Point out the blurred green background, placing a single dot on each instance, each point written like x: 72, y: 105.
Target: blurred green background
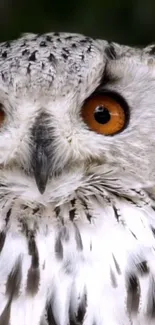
x: 129, y: 22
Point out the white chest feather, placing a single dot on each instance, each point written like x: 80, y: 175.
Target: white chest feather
x: 80, y: 263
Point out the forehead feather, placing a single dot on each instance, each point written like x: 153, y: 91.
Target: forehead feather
x: 52, y: 62
x: 56, y: 64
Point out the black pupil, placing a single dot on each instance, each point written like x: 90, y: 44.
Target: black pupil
x: 101, y: 114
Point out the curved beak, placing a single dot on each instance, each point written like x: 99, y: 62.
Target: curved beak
x: 41, y: 167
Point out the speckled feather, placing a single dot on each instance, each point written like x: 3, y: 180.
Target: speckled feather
x: 82, y: 252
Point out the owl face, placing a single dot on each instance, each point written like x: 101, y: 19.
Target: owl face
x: 73, y: 108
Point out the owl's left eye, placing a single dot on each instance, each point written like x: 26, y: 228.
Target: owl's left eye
x: 105, y: 113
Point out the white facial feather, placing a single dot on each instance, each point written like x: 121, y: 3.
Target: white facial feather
x: 77, y: 208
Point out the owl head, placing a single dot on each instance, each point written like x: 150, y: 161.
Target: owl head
x: 75, y: 113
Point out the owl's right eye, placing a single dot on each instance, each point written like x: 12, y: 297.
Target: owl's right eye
x: 2, y: 115
x: 105, y: 113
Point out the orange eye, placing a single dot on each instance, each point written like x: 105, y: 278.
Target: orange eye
x: 105, y: 114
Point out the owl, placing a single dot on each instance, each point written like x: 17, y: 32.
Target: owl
x: 77, y: 182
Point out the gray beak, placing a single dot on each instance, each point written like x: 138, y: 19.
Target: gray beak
x: 41, y: 167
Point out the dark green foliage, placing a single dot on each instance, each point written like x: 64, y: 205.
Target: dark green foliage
x: 128, y: 22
